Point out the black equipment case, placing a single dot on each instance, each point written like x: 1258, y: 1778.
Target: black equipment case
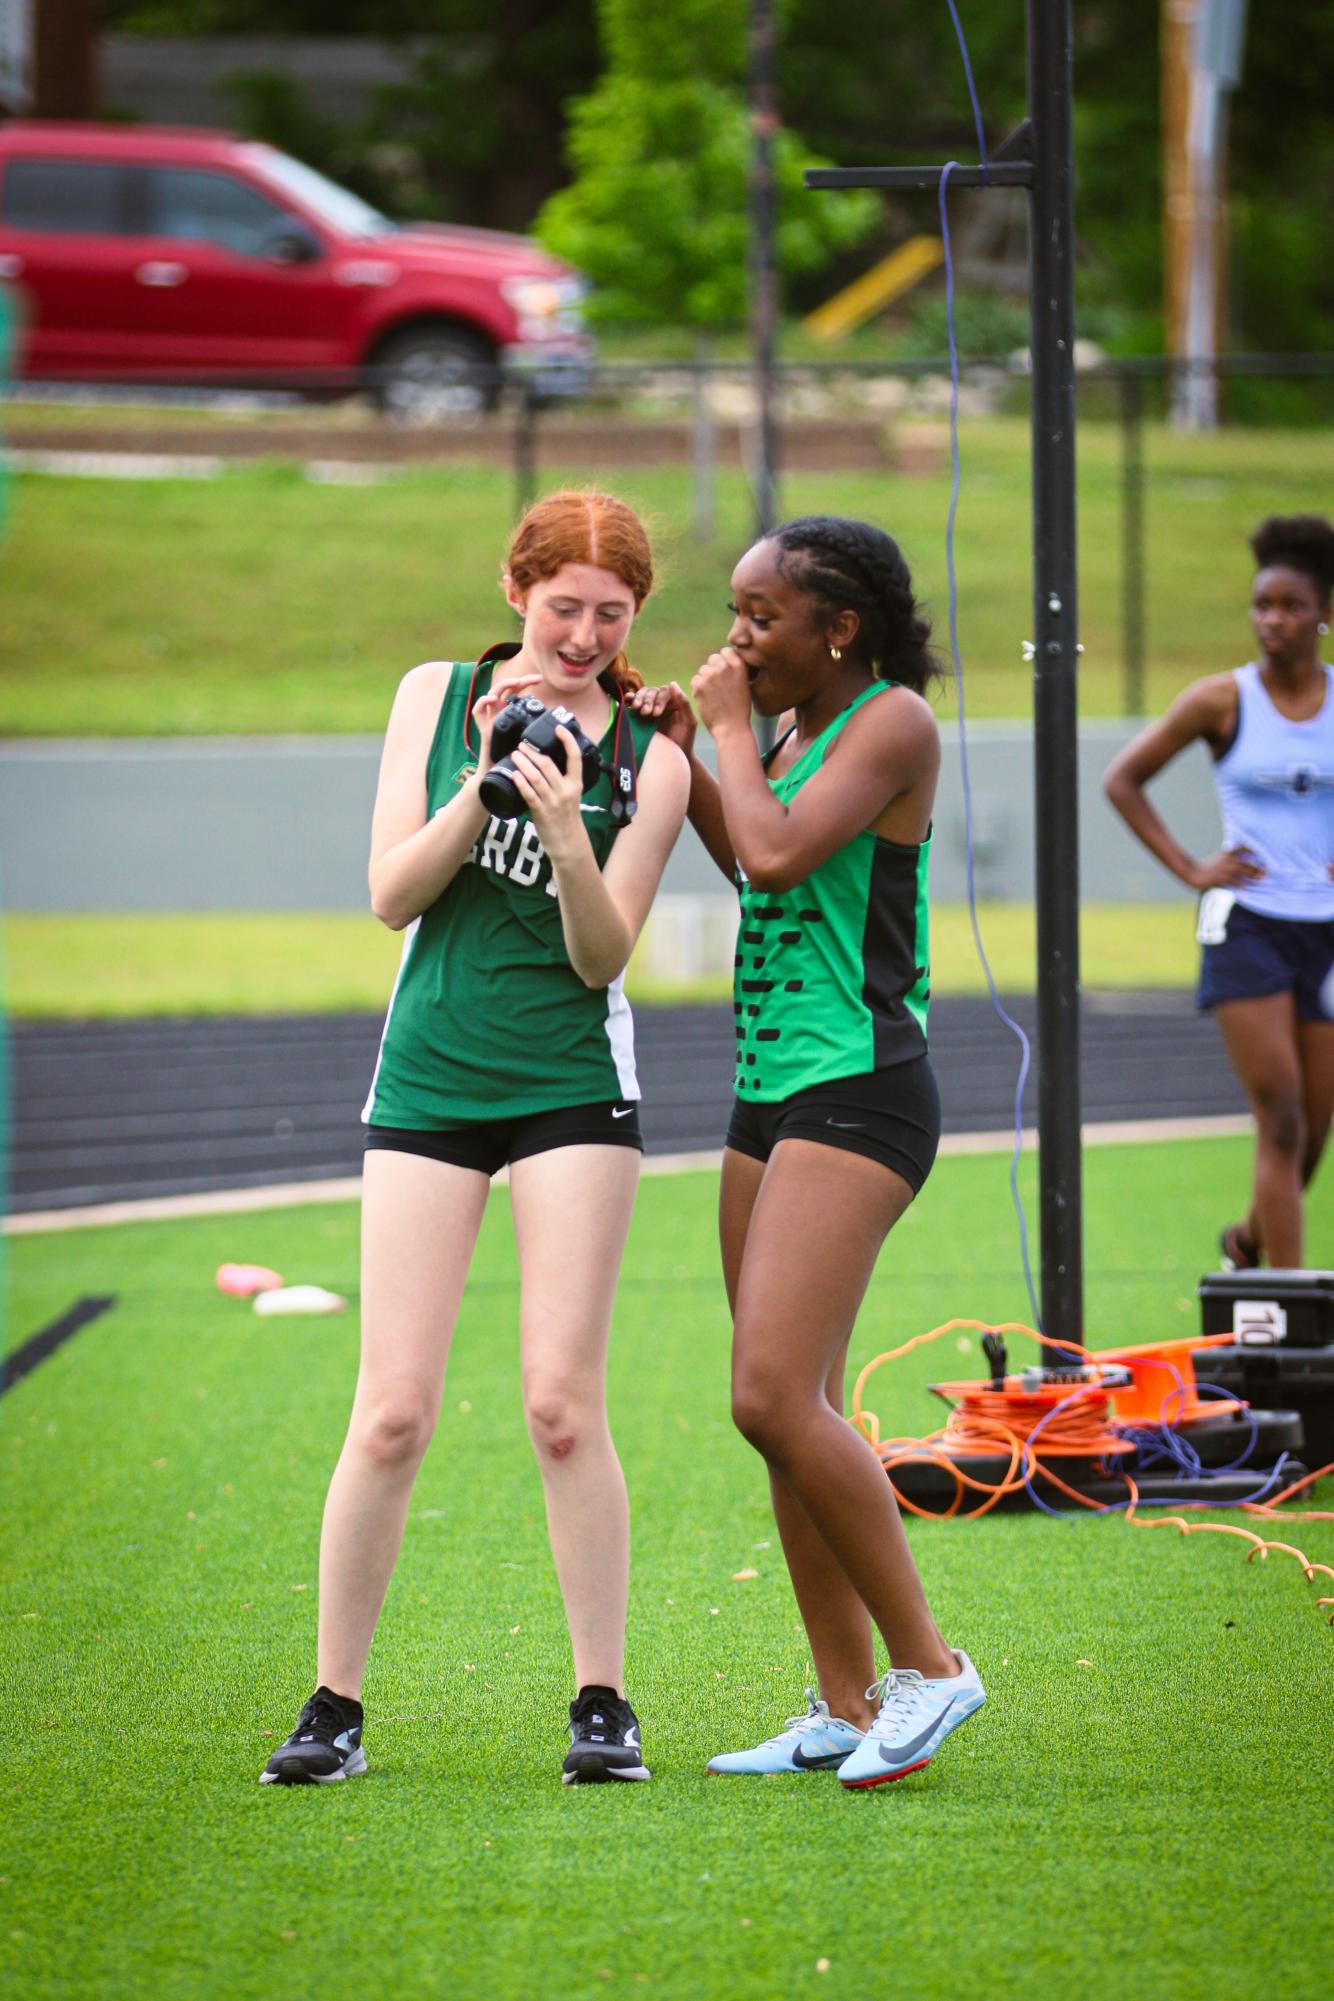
x: 1300, y: 1378
x: 1282, y: 1324
x: 1267, y: 1308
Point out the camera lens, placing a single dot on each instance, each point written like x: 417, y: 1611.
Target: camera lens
x: 498, y: 792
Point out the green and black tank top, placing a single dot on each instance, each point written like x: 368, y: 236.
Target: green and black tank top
x: 488, y: 1019
x: 832, y: 977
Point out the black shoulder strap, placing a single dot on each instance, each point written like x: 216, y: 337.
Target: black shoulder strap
x: 774, y: 749
x: 624, y: 769
x: 504, y: 649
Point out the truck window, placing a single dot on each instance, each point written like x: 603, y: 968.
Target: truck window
x: 75, y: 197
x: 212, y: 208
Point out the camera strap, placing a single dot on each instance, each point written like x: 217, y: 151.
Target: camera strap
x: 624, y: 770
x: 504, y: 650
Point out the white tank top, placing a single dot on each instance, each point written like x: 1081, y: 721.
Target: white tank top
x: 1276, y: 793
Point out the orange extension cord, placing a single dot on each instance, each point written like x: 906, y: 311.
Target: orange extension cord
x: 990, y: 1421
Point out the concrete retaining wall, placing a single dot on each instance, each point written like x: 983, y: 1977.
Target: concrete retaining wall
x: 282, y: 824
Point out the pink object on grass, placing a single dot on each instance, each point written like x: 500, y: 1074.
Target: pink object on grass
x: 242, y: 1281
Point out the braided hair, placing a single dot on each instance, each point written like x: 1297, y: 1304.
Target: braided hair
x: 1302, y: 542
x: 851, y: 566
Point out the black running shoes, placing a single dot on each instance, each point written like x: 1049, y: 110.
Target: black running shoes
x: 326, y: 1744
x: 604, y: 1740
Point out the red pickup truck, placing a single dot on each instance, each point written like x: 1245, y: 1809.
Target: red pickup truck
x: 140, y: 254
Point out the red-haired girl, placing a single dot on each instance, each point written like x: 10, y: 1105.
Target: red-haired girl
x: 508, y: 1042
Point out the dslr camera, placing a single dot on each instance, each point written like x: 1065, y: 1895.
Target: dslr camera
x: 525, y: 720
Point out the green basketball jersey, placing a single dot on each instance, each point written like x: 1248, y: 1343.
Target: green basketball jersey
x: 488, y: 1019
x: 832, y: 976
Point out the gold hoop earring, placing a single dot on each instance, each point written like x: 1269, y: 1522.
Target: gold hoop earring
x: 835, y: 653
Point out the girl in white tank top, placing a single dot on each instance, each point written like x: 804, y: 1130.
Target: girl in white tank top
x: 1267, y: 897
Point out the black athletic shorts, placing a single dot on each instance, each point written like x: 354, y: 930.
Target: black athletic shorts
x: 892, y: 1116
x: 1253, y: 956
x: 496, y: 1143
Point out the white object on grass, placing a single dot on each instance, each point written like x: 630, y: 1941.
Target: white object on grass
x: 298, y: 1299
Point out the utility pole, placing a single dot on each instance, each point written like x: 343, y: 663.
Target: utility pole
x: 763, y: 93
x: 1176, y: 39
x: 65, y: 66
x: 1201, y: 54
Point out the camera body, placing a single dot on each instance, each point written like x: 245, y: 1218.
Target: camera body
x: 510, y: 724
x: 525, y: 720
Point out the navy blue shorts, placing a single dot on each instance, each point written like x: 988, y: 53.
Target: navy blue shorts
x: 892, y: 1116
x: 491, y: 1144
x: 1259, y: 956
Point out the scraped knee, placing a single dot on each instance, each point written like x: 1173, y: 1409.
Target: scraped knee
x: 557, y: 1418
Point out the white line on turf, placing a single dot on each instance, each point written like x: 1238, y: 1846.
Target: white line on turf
x: 298, y: 1194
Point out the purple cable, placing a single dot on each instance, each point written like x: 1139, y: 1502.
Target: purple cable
x: 1010, y: 1023
x: 972, y: 91
x: 1264, y: 1485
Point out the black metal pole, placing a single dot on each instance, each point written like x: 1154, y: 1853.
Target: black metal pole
x: 1038, y: 155
x: 763, y: 256
x: 1055, y: 633
x: 1132, y: 543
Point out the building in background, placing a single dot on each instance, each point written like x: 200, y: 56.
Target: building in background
x: 15, y: 56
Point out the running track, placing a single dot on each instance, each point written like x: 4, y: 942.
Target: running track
x: 114, y: 1111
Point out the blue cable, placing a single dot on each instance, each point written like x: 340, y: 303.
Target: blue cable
x: 957, y: 658
x: 1163, y: 1441
x: 972, y: 91
x: 1113, y: 1507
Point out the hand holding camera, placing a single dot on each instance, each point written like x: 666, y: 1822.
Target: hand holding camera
x: 525, y: 725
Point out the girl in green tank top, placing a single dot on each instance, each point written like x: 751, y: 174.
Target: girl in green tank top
x: 837, y: 1116
x: 507, y: 1042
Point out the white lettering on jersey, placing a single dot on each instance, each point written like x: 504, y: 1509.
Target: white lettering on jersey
x: 529, y: 859
x: 496, y: 846
x: 493, y: 851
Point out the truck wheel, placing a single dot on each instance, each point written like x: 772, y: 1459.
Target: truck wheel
x: 429, y: 373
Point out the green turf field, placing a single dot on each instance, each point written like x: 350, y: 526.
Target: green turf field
x: 1142, y: 1810
x: 261, y: 602
x: 233, y: 962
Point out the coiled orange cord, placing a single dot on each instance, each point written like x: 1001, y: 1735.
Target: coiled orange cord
x: 992, y: 1422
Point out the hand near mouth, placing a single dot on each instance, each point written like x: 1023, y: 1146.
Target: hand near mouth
x: 721, y: 691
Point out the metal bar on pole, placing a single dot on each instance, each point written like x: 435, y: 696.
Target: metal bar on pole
x: 999, y: 174
x: 1055, y: 663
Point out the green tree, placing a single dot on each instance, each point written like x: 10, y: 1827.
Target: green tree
x: 660, y: 152
x: 881, y: 81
